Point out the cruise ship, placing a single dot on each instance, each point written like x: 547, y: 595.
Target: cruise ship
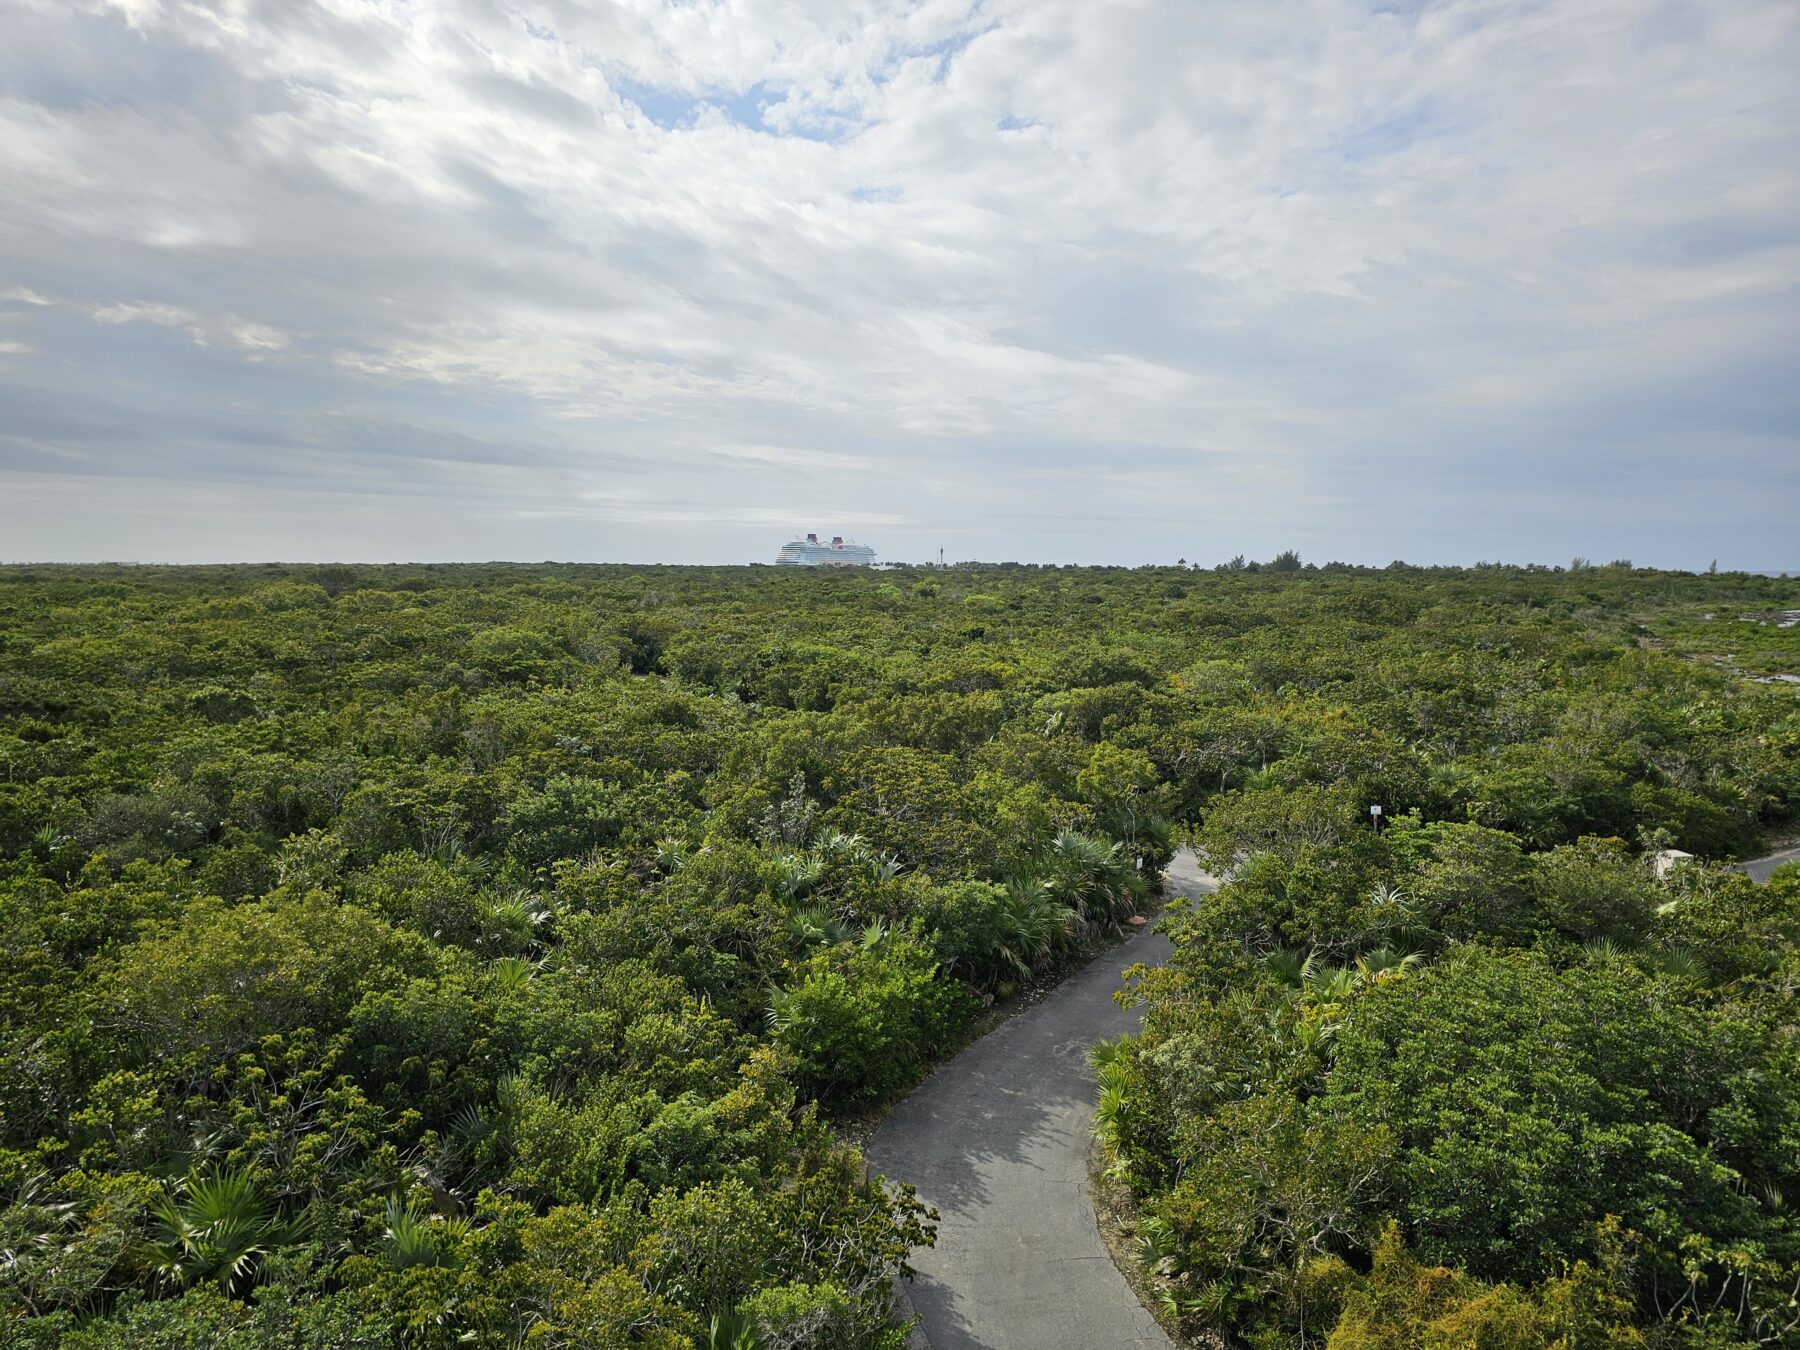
x: 809, y: 552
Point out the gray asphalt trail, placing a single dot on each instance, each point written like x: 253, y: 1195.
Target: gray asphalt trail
x: 997, y: 1140
x: 1761, y: 868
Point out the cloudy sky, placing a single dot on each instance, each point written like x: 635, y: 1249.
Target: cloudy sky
x: 1053, y: 280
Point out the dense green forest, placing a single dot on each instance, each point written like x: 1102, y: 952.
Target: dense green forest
x: 490, y: 955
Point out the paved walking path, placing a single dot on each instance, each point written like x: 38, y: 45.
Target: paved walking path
x: 1760, y: 868
x: 997, y: 1140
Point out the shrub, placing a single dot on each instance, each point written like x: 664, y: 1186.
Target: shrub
x: 569, y: 818
x: 862, y: 1024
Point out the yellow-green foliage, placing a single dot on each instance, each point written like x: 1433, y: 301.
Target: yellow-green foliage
x: 1407, y: 1305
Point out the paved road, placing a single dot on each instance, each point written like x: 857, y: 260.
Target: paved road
x: 1760, y: 868
x: 997, y: 1140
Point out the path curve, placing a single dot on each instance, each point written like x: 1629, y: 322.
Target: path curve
x: 1760, y: 869
x: 997, y: 1140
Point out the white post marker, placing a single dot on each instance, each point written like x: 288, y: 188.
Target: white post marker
x: 1375, y: 816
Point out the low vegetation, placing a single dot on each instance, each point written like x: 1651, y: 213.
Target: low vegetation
x: 450, y: 956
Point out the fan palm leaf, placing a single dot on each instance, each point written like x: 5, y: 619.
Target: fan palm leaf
x: 214, y: 1227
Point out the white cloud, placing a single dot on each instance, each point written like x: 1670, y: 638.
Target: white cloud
x: 1197, y: 253
x: 204, y: 330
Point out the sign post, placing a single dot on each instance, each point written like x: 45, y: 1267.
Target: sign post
x: 1375, y: 818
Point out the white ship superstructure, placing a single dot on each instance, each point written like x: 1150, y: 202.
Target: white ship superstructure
x: 809, y: 552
